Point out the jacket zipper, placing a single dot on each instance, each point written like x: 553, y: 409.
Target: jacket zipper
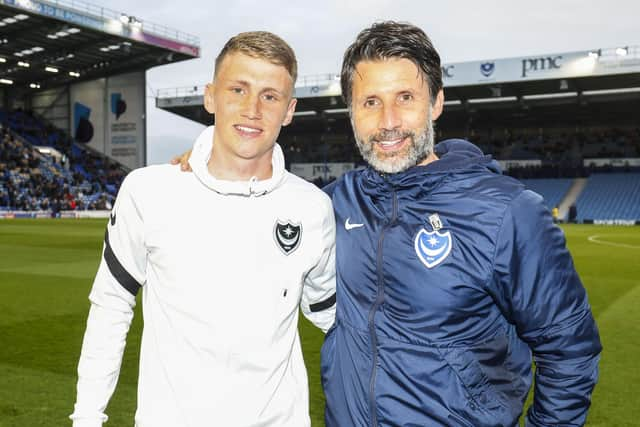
x: 374, y: 309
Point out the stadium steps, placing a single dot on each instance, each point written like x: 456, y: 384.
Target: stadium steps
x: 570, y: 198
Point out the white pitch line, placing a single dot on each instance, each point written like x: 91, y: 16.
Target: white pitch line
x: 595, y: 237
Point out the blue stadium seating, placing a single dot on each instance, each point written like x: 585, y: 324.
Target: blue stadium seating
x: 552, y: 190
x: 614, y: 196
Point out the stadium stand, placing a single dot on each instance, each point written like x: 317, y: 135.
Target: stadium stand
x: 552, y: 190
x: 32, y: 180
x: 614, y: 196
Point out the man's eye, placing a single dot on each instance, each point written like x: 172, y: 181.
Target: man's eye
x: 370, y: 103
x: 270, y: 97
x: 406, y: 97
x: 237, y: 90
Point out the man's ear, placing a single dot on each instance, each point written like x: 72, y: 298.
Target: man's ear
x: 436, y: 108
x: 209, y: 98
x: 290, y: 110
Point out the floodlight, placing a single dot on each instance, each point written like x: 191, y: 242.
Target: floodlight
x: 73, y: 30
x: 6, y: 81
x: 37, y: 49
x: 51, y: 69
x: 62, y: 34
x: 135, y: 22
x: 52, y: 36
x: 23, y: 64
x: 622, y: 51
x: 34, y: 85
x: 9, y: 20
x: 3, y: 60
x: 74, y: 74
x: 114, y: 47
x: 21, y: 17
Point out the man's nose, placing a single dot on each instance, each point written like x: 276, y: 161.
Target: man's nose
x: 251, y: 107
x: 391, y: 118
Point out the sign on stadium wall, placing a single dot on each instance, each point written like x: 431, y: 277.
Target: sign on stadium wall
x: 508, y: 164
x: 125, y: 119
x: 49, y: 214
x: 537, y: 67
x: 87, y: 115
x: 312, y: 171
x: 107, y: 114
x: 633, y: 162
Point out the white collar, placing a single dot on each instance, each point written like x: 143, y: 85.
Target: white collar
x: 253, y: 187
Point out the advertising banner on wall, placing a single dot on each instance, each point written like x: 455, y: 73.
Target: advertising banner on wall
x: 108, y: 115
x: 125, y: 119
x: 87, y: 113
x: 311, y: 171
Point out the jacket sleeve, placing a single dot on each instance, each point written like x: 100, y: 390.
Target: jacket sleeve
x: 540, y: 292
x: 119, y: 277
x: 319, y: 292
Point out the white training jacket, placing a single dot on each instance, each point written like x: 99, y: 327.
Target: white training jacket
x: 223, y: 268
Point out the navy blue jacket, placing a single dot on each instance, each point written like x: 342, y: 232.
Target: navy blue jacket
x: 440, y: 316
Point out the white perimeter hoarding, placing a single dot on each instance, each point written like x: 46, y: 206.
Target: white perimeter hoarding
x: 311, y: 171
x: 108, y: 115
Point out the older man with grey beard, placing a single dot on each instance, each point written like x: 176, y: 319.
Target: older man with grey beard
x: 451, y: 278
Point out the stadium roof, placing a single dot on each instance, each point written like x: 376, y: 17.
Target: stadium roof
x: 52, y: 43
x: 572, y: 78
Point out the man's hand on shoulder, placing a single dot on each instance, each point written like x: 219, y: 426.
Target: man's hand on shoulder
x: 183, y: 160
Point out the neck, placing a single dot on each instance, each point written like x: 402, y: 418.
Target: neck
x: 228, y: 166
x: 239, y: 169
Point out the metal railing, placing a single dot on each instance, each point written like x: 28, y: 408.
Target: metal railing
x: 180, y: 92
x: 318, y: 80
x: 305, y: 81
x: 106, y: 13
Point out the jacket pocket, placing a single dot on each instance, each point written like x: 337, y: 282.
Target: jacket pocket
x: 483, y: 382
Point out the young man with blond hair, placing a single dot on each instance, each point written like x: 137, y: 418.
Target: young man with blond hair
x: 224, y: 257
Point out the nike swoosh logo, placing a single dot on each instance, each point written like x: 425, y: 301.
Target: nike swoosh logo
x: 348, y: 225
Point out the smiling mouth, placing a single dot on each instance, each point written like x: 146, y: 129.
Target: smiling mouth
x: 391, y: 144
x: 247, y: 131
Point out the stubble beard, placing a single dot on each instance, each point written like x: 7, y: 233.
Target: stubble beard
x: 414, y: 153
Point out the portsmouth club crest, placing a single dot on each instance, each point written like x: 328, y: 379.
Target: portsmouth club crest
x: 287, y: 236
x: 433, y: 247
x: 487, y: 68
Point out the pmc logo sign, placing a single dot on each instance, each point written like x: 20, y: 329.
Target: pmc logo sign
x: 530, y: 65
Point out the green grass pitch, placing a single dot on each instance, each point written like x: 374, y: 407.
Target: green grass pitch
x: 46, y: 271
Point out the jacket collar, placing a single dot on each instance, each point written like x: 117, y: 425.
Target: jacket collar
x: 253, y: 187
x: 454, y: 156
